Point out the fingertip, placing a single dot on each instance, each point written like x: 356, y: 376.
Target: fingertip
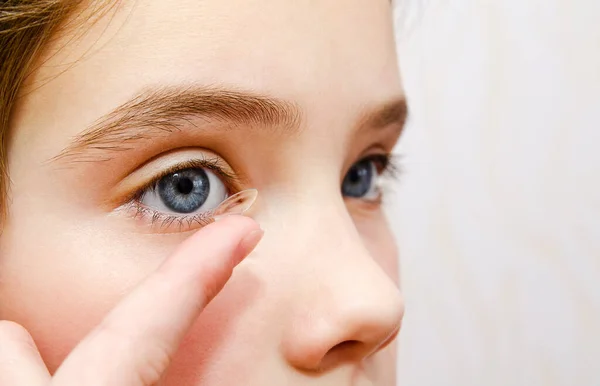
x: 228, y: 232
x: 15, y: 332
x: 20, y: 360
x: 237, y: 220
x: 248, y: 243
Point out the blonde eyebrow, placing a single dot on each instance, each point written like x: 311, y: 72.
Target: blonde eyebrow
x: 161, y: 111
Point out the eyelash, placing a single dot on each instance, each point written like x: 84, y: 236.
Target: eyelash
x: 389, y: 169
x: 386, y: 164
x: 166, y: 220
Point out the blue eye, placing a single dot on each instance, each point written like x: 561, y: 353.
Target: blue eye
x: 185, y: 191
x: 361, y: 181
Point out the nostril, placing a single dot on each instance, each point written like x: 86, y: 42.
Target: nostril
x: 347, y: 351
x: 346, y: 345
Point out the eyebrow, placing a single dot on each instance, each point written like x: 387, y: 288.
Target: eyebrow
x: 158, y: 112
x: 161, y: 111
x: 393, y: 112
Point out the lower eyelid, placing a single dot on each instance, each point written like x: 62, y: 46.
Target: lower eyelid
x: 154, y: 221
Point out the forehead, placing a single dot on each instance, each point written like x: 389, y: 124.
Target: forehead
x: 334, y: 54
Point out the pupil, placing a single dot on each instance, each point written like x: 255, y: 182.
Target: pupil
x: 355, y: 175
x: 185, y: 186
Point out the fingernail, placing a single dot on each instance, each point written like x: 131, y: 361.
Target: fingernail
x: 237, y: 204
x: 249, y: 242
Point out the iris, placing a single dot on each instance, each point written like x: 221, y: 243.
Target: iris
x: 360, y: 179
x: 184, y: 191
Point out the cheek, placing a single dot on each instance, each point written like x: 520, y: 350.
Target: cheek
x: 379, y: 240
x: 60, y: 286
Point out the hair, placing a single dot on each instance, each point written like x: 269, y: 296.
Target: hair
x: 26, y: 26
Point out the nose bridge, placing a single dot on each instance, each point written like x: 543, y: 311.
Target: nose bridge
x: 345, y: 305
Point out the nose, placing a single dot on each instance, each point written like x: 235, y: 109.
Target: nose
x: 349, y: 307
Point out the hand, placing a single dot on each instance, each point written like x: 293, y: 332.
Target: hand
x: 135, y: 342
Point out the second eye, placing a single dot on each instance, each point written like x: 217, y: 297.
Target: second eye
x: 185, y: 191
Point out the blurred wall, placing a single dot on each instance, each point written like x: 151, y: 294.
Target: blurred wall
x: 497, y: 210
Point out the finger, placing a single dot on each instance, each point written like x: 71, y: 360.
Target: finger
x: 20, y: 360
x: 136, y: 341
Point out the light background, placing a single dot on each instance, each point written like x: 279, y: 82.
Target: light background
x: 498, y: 209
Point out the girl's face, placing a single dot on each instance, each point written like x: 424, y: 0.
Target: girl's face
x: 142, y: 115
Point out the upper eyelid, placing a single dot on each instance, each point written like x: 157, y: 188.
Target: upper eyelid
x: 150, y: 172
x: 230, y: 179
x: 385, y: 158
x: 200, y: 164
x: 205, y: 158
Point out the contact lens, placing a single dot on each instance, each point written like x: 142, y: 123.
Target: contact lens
x: 238, y: 204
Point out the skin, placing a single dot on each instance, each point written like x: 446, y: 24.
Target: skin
x: 317, y: 302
